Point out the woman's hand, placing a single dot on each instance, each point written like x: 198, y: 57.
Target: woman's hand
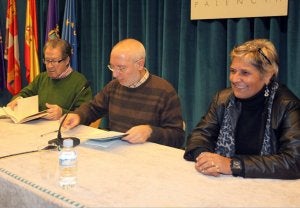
x: 213, y: 164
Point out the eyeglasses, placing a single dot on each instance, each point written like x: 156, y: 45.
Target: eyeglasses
x: 53, y: 62
x: 265, y: 57
x: 120, y: 68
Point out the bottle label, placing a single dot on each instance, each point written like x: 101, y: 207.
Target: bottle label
x: 67, y: 158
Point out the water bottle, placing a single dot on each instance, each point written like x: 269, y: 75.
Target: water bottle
x: 67, y: 165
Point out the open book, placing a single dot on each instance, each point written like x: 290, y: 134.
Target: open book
x: 27, y: 109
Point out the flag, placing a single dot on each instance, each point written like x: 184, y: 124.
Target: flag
x: 52, y: 27
x: 31, y: 42
x: 11, y: 53
x: 2, y: 68
x: 69, y: 30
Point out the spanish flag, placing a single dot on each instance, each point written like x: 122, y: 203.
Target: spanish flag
x: 31, y: 42
x: 12, y: 49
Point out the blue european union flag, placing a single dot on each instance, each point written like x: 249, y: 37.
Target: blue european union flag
x: 69, y: 30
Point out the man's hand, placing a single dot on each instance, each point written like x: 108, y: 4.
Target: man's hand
x: 54, y: 112
x: 13, y: 103
x: 71, y: 121
x: 138, y: 134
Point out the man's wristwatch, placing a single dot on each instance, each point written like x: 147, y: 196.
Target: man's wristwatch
x: 236, y: 167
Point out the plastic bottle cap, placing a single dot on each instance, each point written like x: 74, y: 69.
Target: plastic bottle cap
x: 68, y: 143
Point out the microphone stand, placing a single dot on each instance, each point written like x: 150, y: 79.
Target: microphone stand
x: 58, y: 141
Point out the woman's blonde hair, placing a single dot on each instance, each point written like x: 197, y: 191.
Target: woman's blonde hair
x: 261, y: 53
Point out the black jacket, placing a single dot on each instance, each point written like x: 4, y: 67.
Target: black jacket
x: 285, y: 136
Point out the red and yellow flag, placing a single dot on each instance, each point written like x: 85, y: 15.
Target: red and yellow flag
x: 31, y: 42
x: 12, y: 49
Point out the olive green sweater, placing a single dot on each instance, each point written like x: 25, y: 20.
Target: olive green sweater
x: 57, y: 91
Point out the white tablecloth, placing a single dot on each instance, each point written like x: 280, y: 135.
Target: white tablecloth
x: 122, y: 175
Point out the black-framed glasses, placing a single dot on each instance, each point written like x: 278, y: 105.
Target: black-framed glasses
x: 263, y: 54
x: 53, y: 62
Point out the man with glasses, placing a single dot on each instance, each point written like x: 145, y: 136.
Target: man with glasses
x: 58, y: 85
x: 141, y: 104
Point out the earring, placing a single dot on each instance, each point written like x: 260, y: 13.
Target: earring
x: 267, y: 92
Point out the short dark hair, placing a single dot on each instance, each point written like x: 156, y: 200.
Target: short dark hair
x: 64, y: 45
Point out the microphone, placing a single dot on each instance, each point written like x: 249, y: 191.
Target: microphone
x: 59, y: 140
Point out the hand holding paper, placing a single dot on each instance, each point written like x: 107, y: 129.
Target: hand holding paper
x: 24, y: 110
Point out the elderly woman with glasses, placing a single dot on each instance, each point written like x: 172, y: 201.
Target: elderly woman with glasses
x: 251, y: 129
x: 58, y: 85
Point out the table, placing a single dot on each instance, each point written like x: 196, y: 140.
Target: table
x: 122, y: 175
